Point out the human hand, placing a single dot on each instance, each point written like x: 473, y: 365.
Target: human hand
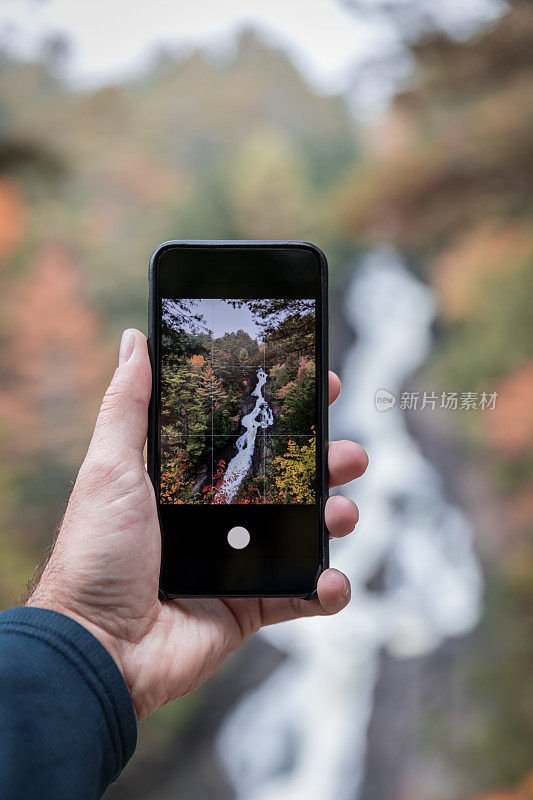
x: 104, y: 568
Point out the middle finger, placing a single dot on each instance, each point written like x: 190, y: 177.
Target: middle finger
x: 341, y: 515
x: 346, y: 461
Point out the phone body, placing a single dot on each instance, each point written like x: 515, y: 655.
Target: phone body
x: 238, y: 420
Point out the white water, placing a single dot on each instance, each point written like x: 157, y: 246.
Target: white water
x: 260, y: 417
x: 302, y: 734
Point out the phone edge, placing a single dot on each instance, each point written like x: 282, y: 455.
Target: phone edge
x: 324, y: 383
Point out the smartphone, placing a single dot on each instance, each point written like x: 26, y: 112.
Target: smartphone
x: 238, y: 421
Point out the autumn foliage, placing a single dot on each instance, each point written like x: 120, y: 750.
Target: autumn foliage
x: 53, y: 365
x: 12, y: 218
x: 292, y: 477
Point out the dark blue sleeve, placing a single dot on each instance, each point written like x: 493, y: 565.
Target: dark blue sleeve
x: 67, y: 724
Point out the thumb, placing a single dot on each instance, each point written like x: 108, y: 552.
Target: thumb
x: 123, y: 418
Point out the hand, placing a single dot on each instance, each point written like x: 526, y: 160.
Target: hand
x: 104, y: 568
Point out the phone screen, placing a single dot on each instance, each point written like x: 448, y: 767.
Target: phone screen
x: 238, y: 410
x: 238, y: 426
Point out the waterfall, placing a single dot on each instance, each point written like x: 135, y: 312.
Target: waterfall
x: 302, y: 734
x: 260, y: 417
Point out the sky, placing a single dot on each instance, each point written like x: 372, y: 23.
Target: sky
x: 223, y: 318
x: 220, y: 318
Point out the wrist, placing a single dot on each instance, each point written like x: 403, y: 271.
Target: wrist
x: 47, y: 600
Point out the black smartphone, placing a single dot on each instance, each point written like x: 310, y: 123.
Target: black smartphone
x: 238, y: 421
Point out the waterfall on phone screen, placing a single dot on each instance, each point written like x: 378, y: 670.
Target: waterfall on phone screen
x: 260, y: 417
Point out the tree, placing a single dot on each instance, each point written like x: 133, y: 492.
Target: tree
x: 298, y: 401
x: 234, y: 348
x: 186, y: 401
x: 183, y: 332
x: 288, y: 326
x: 243, y: 358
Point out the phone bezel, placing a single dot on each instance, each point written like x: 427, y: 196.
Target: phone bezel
x: 153, y: 454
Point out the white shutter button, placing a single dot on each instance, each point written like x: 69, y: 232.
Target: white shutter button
x: 238, y: 537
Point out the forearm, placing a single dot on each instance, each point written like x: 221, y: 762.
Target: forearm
x: 67, y: 720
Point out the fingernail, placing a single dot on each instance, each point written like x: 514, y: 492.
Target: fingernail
x: 346, y: 589
x: 127, y: 343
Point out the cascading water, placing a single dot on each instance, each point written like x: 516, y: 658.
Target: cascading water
x: 260, y: 417
x: 302, y: 734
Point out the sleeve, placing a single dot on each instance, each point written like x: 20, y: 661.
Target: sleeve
x: 67, y: 724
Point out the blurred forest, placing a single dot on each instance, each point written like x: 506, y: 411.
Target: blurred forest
x: 446, y: 177
x: 90, y: 181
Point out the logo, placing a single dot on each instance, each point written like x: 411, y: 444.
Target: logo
x: 384, y: 400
